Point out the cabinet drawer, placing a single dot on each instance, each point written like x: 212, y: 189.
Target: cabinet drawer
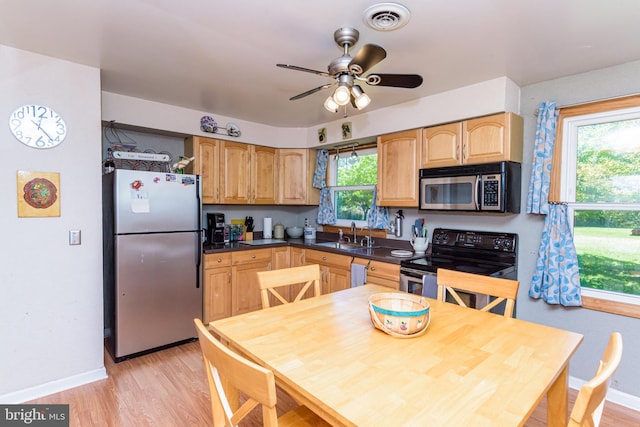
x: 217, y: 260
x: 385, y: 270
x: 327, y: 258
x: 258, y: 255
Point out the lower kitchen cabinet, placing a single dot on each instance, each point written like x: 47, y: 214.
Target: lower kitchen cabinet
x: 244, y: 266
x: 335, y: 269
x: 381, y: 273
x: 217, y: 287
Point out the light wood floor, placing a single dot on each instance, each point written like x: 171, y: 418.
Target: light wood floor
x: 168, y: 388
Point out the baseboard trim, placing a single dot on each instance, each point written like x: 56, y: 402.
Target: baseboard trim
x: 614, y: 396
x: 46, y: 389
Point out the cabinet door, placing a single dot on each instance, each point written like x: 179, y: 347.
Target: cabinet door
x: 246, y: 292
x: 264, y: 175
x: 205, y: 164
x: 297, y: 257
x: 217, y: 294
x: 441, y: 145
x: 235, y: 173
x: 492, y: 139
x: 338, y: 279
x: 281, y: 257
x: 217, y: 287
x: 398, y: 166
x: 292, y: 176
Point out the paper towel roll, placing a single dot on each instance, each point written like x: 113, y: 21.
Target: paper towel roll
x: 267, y: 228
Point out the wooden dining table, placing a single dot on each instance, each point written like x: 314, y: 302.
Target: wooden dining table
x: 470, y: 368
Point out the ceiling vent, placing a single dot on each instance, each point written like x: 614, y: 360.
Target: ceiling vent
x: 386, y: 16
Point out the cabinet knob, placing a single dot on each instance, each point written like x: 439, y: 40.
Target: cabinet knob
x: 324, y: 258
x: 219, y: 260
x: 253, y: 256
x: 373, y: 269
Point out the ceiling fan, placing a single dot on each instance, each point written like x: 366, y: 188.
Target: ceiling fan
x: 347, y: 71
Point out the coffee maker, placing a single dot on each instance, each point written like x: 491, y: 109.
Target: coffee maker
x: 215, y: 228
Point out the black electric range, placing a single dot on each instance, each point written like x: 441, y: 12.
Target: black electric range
x: 479, y: 252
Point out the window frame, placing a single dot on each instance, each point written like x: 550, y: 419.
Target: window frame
x: 332, y: 178
x: 564, y: 163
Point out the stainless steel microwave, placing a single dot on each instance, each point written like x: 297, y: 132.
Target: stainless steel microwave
x: 489, y: 187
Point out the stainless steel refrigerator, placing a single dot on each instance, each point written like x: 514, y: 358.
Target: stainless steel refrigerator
x: 152, y: 243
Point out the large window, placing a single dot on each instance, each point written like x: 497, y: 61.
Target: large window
x: 352, y: 179
x: 601, y: 183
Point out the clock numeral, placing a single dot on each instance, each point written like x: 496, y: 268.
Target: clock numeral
x: 40, y: 143
x: 20, y: 114
x: 15, y: 123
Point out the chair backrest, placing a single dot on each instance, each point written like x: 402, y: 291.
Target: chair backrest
x: 502, y: 289
x: 256, y: 382
x: 590, y: 401
x: 296, y: 279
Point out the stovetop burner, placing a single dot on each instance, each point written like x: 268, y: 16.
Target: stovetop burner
x: 479, y: 252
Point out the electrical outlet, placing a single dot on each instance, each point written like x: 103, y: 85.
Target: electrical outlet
x: 74, y: 237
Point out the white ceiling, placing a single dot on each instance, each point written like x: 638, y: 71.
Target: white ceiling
x: 219, y: 56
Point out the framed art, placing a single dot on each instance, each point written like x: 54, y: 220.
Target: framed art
x: 38, y: 194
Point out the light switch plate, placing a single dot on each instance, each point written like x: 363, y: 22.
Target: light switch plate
x: 74, y: 237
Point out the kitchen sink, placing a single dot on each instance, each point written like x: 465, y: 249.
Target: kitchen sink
x: 351, y: 247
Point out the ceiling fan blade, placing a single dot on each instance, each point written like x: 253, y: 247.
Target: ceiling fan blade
x: 309, y: 92
x: 409, y: 81
x: 306, y: 70
x: 368, y: 56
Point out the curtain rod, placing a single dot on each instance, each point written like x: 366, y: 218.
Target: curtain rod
x: 578, y: 104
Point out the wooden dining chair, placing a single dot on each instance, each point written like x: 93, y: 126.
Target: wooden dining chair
x: 450, y: 281
x: 298, y: 279
x: 256, y: 382
x: 587, y: 409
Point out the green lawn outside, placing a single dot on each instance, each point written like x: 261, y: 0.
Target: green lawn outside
x: 609, y: 259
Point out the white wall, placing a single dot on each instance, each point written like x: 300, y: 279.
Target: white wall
x: 50, y: 292
x: 470, y: 101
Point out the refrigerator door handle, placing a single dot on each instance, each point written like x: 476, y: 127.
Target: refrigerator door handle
x: 198, y: 258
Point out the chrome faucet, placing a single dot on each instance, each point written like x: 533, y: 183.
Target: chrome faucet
x: 353, y: 230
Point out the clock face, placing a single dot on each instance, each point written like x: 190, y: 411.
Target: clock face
x: 37, y: 126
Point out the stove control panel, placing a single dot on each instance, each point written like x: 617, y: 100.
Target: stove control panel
x: 499, y: 242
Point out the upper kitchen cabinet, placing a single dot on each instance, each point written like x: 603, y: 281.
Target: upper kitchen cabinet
x: 247, y: 174
x: 483, y: 140
x: 264, y: 175
x: 295, y: 169
x: 398, y: 167
x: 206, y: 153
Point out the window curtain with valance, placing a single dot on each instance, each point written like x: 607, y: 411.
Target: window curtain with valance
x: 556, y: 278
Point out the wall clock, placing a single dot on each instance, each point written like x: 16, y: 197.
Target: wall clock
x: 37, y: 126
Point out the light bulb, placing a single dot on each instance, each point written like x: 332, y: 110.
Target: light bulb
x: 361, y: 99
x: 342, y: 96
x: 331, y: 105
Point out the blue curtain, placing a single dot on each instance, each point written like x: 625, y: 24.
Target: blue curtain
x: 378, y: 216
x: 556, y: 279
x: 325, y: 208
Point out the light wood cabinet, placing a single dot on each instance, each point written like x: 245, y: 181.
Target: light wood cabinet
x: 206, y: 153
x: 217, y: 287
x: 295, y: 177
x: 297, y: 256
x: 244, y: 266
x: 494, y: 138
x: 335, y: 269
x: 381, y: 273
x: 398, y: 167
x: 247, y: 174
x: 264, y: 175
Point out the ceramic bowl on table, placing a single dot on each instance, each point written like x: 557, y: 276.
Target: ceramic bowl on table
x: 294, y: 232
x: 399, y: 315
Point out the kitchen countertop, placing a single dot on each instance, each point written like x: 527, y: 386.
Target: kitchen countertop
x: 380, y: 252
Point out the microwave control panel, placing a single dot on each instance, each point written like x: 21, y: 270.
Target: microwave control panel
x: 491, y: 194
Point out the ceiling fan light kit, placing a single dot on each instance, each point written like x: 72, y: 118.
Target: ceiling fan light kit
x: 346, y: 70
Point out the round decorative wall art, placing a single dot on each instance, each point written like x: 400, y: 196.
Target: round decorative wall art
x: 40, y: 193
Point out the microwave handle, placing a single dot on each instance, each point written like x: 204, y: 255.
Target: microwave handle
x: 476, y: 202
